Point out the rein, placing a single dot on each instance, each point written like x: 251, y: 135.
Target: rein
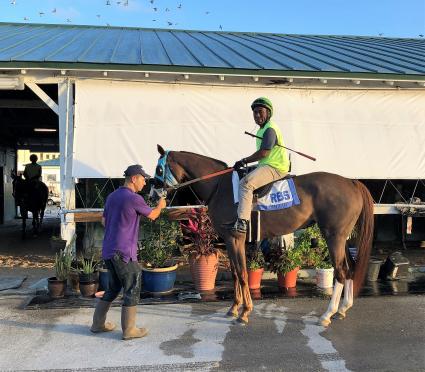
x: 202, y: 178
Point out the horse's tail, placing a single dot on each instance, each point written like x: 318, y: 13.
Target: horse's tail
x: 364, y: 229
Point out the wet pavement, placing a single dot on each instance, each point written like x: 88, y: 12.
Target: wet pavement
x: 185, y: 293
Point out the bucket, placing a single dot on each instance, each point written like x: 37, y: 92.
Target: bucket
x: 325, y: 278
x: 373, y: 269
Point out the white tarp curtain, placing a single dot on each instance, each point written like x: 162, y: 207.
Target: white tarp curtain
x: 356, y: 133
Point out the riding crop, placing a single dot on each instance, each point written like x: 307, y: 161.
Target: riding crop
x: 297, y: 152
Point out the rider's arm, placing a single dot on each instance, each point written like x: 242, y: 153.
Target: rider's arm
x: 268, y: 142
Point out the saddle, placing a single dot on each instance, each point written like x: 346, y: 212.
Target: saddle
x: 263, y: 190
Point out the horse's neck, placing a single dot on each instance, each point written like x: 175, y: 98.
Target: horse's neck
x: 204, y: 189
x: 222, y: 207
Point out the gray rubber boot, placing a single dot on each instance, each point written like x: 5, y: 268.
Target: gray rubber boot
x: 128, y: 324
x: 99, y: 318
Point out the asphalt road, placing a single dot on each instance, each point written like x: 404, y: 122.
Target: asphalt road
x: 379, y: 334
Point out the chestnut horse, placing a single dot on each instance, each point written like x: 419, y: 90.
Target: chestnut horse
x: 336, y: 203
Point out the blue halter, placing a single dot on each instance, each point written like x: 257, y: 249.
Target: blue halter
x: 163, y: 172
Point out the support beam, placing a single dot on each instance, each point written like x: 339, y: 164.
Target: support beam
x: 43, y: 96
x: 66, y: 141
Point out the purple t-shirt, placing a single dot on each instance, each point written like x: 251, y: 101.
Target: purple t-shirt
x: 122, y: 216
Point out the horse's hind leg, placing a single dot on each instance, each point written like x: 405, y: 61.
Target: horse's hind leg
x: 336, y: 245
x: 348, y: 299
x: 325, y: 319
x: 237, y: 299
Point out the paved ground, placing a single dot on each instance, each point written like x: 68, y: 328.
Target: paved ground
x: 380, y: 334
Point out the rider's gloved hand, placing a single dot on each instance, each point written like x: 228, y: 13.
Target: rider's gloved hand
x: 239, y: 164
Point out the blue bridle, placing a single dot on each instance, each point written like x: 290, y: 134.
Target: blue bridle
x: 163, y: 172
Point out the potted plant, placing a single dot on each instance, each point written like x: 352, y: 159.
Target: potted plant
x: 255, y: 265
x: 286, y: 263
x: 156, y: 249
x: 56, y: 285
x: 57, y: 243
x: 315, y: 255
x: 203, y: 255
x: 88, y: 276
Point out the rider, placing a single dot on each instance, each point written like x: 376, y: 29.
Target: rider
x: 32, y: 171
x: 273, y: 161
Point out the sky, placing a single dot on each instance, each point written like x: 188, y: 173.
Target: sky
x: 387, y: 18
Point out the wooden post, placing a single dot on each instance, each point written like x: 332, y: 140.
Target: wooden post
x: 66, y: 141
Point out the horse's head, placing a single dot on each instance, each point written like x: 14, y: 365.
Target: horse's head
x: 167, y: 172
x: 176, y: 167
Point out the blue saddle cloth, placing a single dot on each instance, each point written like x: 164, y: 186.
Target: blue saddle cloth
x: 282, y: 195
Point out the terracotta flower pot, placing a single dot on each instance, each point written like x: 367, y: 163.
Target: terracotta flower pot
x: 204, y: 271
x: 88, y: 289
x: 254, y: 278
x: 287, y: 280
x: 74, y: 282
x: 56, y: 287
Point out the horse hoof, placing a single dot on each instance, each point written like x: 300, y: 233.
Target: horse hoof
x: 339, y: 316
x: 242, y: 322
x: 231, y: 314
x: 324, y: 322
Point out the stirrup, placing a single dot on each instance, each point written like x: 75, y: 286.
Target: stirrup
x: 240, y: 226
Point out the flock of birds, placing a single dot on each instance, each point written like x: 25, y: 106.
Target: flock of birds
x: 108, y: 3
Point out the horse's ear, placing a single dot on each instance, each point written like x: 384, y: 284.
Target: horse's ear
x: 160, y: 150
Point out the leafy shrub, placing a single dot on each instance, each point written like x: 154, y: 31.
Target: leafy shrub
x: 159, y: 241
x: 313, y: 248
x: 200, y: 231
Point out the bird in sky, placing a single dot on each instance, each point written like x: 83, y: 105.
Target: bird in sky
x: 420, y: 35
x: 167, y: 10
x: 125, y: 3
x: 170, y: 23
x: 98, y: 15
x: 151, y: 1
x: 41, y: 13
x: 207, y: 12
x: 13, y: 2
x: 68, y: 20
x: 155, y: 9
x: 54, y: 10
x: 26, y: 19
x: 221, y: 27
x: 108, y: 2
x: 179, y: 7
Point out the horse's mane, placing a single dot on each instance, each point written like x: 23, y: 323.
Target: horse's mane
x: 205, y: 157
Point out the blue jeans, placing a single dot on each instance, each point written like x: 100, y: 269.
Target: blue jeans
x: 124, y: 276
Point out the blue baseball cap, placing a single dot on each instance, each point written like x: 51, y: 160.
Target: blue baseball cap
x: 134, y: 170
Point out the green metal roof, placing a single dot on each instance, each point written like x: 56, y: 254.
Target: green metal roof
x: 89, y: 47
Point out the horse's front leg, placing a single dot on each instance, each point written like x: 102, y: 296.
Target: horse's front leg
x: 243, y: 280
x: 24, y: 216
x: 237, y: 297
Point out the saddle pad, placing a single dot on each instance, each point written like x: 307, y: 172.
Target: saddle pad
x: 282, y: 195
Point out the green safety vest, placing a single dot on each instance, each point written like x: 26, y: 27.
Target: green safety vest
x: 278, y: 157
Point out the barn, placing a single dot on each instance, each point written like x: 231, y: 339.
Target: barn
x: 105, y: 96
